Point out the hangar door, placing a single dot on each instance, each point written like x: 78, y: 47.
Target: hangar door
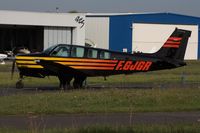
x: 14, y: 36
x: 149, y: 38
x: 57, y: 35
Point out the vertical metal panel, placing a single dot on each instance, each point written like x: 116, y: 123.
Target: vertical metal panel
x: 121, y: 31
x: 97, y: 31
x: 68, y: 37
x: 59, y: 35
x: 50, y: 38
x: 64, y: 33
x: 56, y: 35
x: 46, y: 36
x: 199, y: 45
x: 149, y: 38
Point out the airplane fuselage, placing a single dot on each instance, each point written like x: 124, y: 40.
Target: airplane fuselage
x: 69, y: 62
x: 118, y: 63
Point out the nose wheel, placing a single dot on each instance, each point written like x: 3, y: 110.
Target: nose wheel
x: 19, y: 84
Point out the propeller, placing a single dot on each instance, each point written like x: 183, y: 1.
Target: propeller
x: 13, y: 68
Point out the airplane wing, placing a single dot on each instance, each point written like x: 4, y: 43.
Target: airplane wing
x: 58, y: 69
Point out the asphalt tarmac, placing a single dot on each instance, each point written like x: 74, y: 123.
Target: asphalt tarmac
x: 10, y: 91
x: 85, y: 120
x: 82, y: 120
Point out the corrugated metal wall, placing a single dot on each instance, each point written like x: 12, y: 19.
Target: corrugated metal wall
x: 97, y: 31
x: 57, y: 35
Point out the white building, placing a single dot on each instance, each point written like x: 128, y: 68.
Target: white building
x: 39, y: 30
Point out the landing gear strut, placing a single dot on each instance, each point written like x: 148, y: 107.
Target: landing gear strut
x: 19, y: 84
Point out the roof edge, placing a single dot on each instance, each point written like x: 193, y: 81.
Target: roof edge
x: 126, y: 14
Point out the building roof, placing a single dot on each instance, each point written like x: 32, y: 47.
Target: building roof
x: 39, y: 18
x: 112, y: 14
x: 129, y: 14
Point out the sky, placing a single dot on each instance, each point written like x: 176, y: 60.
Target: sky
x: 185, y: 7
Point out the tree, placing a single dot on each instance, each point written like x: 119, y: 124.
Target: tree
x: 73, y: 11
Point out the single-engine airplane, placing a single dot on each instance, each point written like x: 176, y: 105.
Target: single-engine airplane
x: 69, y: 62
x: 2, y: 57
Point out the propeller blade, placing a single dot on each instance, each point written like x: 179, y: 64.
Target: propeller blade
x: 13, y: 69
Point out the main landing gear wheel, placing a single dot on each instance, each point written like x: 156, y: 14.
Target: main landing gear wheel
x: 20, y: 84
x: 64, y: 82
x: 78, y: 82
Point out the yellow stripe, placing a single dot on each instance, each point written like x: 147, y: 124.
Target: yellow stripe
x: 30, y: 66
x: 26, y: 62
x: 64, y: 59
x: 26, y: 57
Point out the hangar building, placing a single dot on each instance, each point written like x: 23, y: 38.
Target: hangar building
x: 37, y: 30
x: 144, y: 32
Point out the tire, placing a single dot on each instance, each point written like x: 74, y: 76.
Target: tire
x: 19, y: 85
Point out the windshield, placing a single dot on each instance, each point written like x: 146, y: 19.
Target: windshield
x: 62, y: 51
x: 48, y: 50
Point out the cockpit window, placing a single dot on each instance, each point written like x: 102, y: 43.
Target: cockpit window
x: 92, y: 53
x: 48, y: 50
x: 77, y: 52
x: 104, y: 55
x: 63, y: 51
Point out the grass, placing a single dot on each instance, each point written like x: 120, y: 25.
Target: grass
x: 189, y: 73
x: 101, y: 101
x: 105, y: 100
x: 170, y: 128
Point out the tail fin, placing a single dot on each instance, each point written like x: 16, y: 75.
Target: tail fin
x: 175, y: 46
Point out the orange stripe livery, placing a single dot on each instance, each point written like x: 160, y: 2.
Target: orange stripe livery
x: 173, y: 42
